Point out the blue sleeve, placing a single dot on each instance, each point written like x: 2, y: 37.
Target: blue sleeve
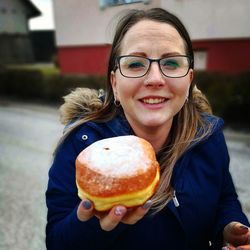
x: 64, y: 230
x: 229, y: 208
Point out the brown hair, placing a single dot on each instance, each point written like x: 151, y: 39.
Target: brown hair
x: 188, y: 125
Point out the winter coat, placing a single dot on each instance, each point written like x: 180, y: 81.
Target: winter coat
x: 205, y: 198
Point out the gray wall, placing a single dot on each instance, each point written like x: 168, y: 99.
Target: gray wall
x: 13, y: 17
x: 15, y: 49
x: 15, y: 44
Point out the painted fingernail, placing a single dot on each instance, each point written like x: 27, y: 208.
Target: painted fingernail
x: 119, y: 211
x: 147, y: 205
x: 86, y: 204
x: 243, y: 227
x: 225, y: 248
x: 239, y: 248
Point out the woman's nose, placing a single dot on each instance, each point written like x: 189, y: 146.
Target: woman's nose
x: 154, y: 77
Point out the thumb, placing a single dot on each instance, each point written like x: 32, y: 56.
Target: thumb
x: 85, y: 210
x: 235, y: 233
x: 236, y: 228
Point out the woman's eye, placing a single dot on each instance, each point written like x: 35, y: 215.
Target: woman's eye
x: 171, y: 63
x: 134, y: 65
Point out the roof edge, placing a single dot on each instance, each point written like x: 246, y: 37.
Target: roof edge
x: 35, y: 11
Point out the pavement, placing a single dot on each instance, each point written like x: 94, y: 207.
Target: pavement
x: 28, y: 136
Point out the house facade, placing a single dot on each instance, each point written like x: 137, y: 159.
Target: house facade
x: 15, y: 43
x: 219, y: 29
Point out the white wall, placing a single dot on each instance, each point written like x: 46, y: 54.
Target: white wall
x: 206, y: 19
x: 13, y: 17
x: 82, y: 22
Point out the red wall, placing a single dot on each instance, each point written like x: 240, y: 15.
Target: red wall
x: 90, y: 60
x: 229, y: 56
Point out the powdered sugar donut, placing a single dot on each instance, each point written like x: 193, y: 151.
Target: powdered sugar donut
x: 120, y: 170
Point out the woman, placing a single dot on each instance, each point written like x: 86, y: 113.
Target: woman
x: 150, y: 94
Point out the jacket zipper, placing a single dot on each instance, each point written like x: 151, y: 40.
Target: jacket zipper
x: 175, y: 200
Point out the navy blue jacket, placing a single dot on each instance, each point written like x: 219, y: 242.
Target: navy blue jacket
x: 201, y: 180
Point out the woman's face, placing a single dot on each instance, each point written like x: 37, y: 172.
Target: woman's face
x: 151, y: 101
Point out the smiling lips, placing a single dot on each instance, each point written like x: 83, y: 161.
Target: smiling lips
x: 155, y: 100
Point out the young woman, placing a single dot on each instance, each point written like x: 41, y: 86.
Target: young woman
x: 150, y: 94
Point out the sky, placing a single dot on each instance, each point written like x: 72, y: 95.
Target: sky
x: 46, y: 20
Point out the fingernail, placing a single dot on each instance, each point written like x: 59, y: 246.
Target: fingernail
x: 147, y: 205
x: 119, y: 211
x: 239, y: 248
x: 225, y: 248
x: 86, y: 204
x: 243, y: 227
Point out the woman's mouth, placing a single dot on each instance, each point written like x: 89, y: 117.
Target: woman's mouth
x: 155, y: 100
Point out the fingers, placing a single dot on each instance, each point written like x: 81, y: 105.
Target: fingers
x: 110, y: 221
x: 136, y: 214
x: 245, y: 247
x: 236, y: 234
x: 236, y: 228
x: 85, y: 210
x: 230, y: 247
x: 121, y: 214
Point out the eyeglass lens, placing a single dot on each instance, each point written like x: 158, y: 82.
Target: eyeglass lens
x: 135, y: 66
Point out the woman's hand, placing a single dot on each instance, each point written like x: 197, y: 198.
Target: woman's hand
x: 237, y: 236
x: 110, y: 219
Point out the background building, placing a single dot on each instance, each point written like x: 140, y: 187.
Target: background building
x: 15, y: 42
x: 43, y: 43
x: 219, y: 29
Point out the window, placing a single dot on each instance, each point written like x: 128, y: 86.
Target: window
x: 200, y: 60
x: 107, y: 3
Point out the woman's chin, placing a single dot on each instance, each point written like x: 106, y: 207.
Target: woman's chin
x: 156, y: 122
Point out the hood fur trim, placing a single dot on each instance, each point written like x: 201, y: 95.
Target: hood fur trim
x: 80, y: 102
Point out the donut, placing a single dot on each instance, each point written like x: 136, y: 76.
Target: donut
x: 120, y: 170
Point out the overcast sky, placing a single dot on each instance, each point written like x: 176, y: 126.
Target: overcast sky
x: 46, y: 20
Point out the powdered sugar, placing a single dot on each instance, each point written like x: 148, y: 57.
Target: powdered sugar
x: 117, y: 156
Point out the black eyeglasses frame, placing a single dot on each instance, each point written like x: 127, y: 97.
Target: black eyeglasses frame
x: 118, y: 58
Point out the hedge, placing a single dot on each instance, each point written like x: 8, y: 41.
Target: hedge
x: 32, y: 84
x: 228, y: 94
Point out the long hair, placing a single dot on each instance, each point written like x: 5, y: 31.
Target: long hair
x: 188, y: 126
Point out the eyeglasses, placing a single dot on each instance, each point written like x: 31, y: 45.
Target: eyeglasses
x: 138, y: 66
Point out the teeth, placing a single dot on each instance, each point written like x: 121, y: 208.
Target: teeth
x: 153, y: 100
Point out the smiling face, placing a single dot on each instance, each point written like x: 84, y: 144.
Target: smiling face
x: 150, y: 102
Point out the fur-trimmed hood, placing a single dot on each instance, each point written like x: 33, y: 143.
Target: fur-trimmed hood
x: 80, y: 102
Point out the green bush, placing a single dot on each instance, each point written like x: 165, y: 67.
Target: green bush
x: 59, y: 85
x: 33, y: 84
x: 21, y: 83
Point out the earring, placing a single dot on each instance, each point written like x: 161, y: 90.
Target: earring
x: 187, y: 95
x: 117, y: 103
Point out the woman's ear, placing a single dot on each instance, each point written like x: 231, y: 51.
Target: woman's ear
x: 113, y: 83
x: 191, y: 75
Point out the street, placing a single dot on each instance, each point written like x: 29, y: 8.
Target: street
x: 28, y: 135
